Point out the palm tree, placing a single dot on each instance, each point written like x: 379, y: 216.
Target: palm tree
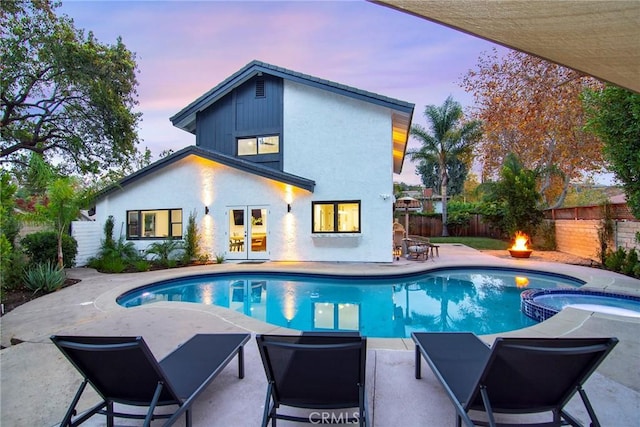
x: 449, y: 139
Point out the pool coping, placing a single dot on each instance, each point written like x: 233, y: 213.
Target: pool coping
x: 89, y: 308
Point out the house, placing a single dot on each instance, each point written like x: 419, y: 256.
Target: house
x: 285, y: 167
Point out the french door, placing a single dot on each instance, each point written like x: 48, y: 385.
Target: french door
x: 247, y: 232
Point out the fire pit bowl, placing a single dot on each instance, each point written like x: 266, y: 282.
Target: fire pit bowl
x: 520, y: 253
x: 519, y: 248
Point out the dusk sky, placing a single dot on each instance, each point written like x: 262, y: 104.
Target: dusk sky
x: 185, y: 48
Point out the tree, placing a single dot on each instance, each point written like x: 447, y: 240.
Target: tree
x: 511, y: 204
x: 533, y: 108
x: 63, y: 95
x: 450, y: 140
x: 457, y: 170
x: 61, y: 202
x: 614, y: 115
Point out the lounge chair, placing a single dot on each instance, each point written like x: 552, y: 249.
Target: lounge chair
x: 515, y: 375
x: 417, y: 249
x: 123, y: 370
x: 321, y: 372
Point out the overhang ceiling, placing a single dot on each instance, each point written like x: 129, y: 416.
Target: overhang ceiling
x: 599, y: 38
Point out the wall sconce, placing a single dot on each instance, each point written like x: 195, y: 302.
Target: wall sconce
x: 288, y: 207
x: 206, y: 210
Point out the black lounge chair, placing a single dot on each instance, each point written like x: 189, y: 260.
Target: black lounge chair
x: 123, y: 370
x: 515, y: 375
x: 322, y: 372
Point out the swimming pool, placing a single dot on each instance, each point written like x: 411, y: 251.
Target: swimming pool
x: 480, y: 300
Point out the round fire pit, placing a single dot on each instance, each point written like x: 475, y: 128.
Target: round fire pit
x: 520, y: 253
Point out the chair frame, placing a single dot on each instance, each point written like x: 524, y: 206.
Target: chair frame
x: 325, y: 342
x: 165, y: 392
x: 478, y: 365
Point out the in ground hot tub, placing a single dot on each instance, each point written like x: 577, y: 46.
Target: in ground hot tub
x: 541, y: 304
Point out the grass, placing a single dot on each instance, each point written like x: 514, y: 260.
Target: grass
x: 480, y: 243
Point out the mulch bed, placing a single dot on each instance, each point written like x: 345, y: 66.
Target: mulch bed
x: 16, y: 297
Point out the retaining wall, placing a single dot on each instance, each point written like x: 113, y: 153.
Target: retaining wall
x: 580, y: 237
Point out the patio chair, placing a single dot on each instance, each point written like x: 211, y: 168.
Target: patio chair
x: 322, y: 372
x: 123, y: 370
x: 417, y: 249
x: 515, y: 375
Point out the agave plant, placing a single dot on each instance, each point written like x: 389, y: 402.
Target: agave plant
x: 47, y: 276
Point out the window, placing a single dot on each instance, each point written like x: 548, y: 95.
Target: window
x: 336, y: 316
x: 336, y: 217
x: 153, y: 224
x: 259, y: 145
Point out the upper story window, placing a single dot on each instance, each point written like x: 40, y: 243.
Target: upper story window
x: 259, y: 145
x: 336, y: 217
x: 154, y: 224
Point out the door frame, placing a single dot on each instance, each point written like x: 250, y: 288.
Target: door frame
x: 242, y: 249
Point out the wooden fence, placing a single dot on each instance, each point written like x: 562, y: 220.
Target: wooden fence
x: 619, y: 211
x: 432, y: 226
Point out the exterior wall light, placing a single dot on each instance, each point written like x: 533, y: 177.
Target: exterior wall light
x: 288, y: 207
x: 206, y: 210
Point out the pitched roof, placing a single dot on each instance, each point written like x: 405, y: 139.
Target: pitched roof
x: 401, y: 117
x: 236, y: 163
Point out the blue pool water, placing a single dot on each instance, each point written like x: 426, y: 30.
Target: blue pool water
x: 483, y: 301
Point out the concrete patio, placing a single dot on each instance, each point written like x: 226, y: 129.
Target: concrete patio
x: 37, y: 382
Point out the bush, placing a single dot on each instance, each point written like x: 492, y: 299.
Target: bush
x: 191, y: 240
x: 219, y: 258
x: 615, y: 260
x: 111, y: 264
x: 164, y: 250
x: 630, y: 263
x: 46, y: 276
x: 545, y: 236
x: 142, y: 265
x: 42, y: 247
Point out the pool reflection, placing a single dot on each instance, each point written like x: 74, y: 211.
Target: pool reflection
x: 479, y: 302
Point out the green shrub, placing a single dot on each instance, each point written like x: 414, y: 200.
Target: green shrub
x: 164, y: 250
x: 142, y: 265
x: 630, y: 262
x: 614, y: 261
x: 46, y: 276
x: 545, y: 236
x: 219, y: 258
x: 42, y: 247
x: 112, y: 264
x: 191, y: 240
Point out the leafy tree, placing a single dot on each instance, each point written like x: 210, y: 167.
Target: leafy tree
x: 449, y: 141
x: 457, y: 169
x: 9, y: 229
x: 511, y: 204
x: 60, y: 204
x: 533, y: 108
x: 614, y: 115
x: 9, y: 222
x: 63, y: 94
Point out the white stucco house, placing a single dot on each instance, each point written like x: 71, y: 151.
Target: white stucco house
x: 285, y: 167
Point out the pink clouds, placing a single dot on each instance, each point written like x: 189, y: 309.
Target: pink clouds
x: 186, y: 48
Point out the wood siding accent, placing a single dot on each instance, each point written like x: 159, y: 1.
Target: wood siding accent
x: 243, y: 114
